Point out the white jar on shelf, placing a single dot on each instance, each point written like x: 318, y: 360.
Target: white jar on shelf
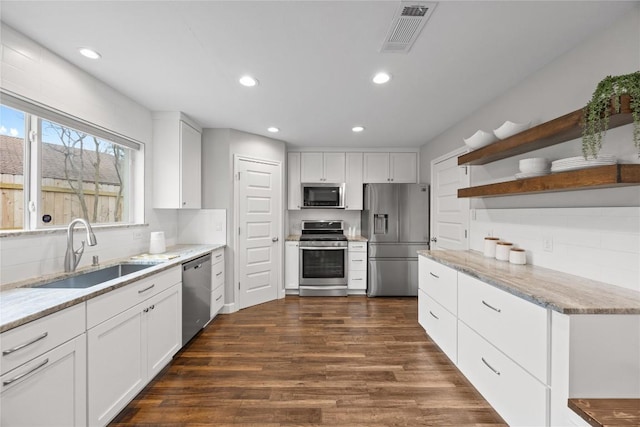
x: 490, y: 246
x: 502, y: 250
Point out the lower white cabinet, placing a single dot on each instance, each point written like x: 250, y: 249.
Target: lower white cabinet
x: 129, y: 349
x: 291, y: 265
x: 357, y: 269
x: 439, y: 323
x: 50, y: 390
x: 217, y: 281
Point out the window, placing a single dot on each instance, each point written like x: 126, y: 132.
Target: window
x: 63, y: 169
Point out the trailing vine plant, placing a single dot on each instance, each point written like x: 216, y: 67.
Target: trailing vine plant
x: 597, y: 111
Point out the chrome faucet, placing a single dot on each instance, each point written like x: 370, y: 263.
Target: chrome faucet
x: 72, y: 256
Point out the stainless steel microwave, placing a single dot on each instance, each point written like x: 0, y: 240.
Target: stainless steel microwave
x: 322, y: 196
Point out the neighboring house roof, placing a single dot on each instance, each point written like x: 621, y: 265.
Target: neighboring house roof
x: 53, y: 161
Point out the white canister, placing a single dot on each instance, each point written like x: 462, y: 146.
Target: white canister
x: 517, y: 256
x: 502, y: 250
x: 490, y: 246
x: 156, y: 242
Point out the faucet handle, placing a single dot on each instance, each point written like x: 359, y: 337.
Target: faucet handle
x: 79, y: 253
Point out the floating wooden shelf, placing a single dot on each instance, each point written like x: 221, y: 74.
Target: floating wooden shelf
x: 553, y: 132
x: 583, y: 179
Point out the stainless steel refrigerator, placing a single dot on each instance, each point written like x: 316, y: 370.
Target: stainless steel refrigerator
x: 395, y: 220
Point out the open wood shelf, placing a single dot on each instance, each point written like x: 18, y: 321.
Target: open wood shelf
x: 583, y: 179
x: 553, y: 132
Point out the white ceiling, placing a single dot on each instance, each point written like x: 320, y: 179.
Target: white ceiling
x: 314, y: 59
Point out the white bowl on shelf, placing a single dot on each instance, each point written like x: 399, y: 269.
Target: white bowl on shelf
x: 534, y: 165
x: 508, y: 129
x: 479, y: 139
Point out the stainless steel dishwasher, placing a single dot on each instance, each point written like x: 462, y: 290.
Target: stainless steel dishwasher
x: 196, y: 296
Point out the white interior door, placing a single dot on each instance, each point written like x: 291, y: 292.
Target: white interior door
x: 259, y: 216
x: 449, y: 214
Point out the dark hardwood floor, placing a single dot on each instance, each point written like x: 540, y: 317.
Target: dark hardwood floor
x: 352, y: 361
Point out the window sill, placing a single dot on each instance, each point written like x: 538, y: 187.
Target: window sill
x: 61, y: 230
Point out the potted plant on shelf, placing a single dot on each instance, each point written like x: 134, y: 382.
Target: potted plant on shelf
x: 604, y: 100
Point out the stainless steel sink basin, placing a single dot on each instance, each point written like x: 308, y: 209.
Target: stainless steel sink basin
x: 86, y: 280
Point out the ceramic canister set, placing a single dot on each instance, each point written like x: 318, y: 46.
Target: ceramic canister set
x: 503, y: 251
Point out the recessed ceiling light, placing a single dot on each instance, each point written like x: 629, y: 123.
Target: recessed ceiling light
x: 381, y: 78
x: 248, y: 81
x: 89, y: 53
x: 357, y: 128
x: 273, y: 129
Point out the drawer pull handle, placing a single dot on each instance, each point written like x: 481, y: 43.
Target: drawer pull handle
x: 491, y: 307
x: 218, y: 256
x: 358, y: 279
x: 490, y: 367
x: 21, y: 346
x: 219, y: 274
x: 431, y: 313
x: 437, y: 277
x: 218, y: 299
x: 146, y: 289
x: 17, y: 377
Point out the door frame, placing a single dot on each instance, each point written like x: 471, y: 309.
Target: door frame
x: 455, y: 153
x: 237, y: 158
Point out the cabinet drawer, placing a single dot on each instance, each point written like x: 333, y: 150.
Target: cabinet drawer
x: 357, y: 279
x: 108, y: 305
x: 358, y: 246
x: 439, y: 323
x: 517, y: 396
x: 217, y: 275
x: 439, y: 282
x: 357, y: 261
x: 517, y: 327
x: 23, y: 343
x: 217, y: 300
x: 217, y: 256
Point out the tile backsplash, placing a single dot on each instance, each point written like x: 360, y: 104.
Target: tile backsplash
x: 598, y: 243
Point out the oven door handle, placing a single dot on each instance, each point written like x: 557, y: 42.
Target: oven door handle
x: 323, y: 248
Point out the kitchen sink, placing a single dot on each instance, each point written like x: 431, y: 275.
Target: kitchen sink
x: 92, y: 278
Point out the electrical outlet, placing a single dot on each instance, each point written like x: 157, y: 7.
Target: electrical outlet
x: 137, y: 234
x: 547, y: 243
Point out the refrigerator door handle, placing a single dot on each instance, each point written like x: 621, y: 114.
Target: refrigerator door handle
x: 380, y: 223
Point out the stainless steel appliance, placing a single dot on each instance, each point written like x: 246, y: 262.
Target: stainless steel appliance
x: 395, y: 220
x: 196, y: 296
x: 323, y: 259
x: 322, y: 196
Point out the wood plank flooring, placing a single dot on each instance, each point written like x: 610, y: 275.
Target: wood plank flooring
x: 352, y: 361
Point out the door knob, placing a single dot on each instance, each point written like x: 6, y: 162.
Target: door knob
x: 274, y: 239
x: 434, y: 239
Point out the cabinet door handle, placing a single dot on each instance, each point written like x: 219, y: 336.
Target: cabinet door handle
x: 17, y: 377
x: 431, y: 313
x: 358, y: 279
x: 490, y: 367
x: 152, y: 306
x: 146, y: 310
x: 219, y: 274
x: 218, y: 256
x: 21, y: 346
x: 491, y: 307
x: 434, y: 275
x: 146, y: 289
x: 218, y: 299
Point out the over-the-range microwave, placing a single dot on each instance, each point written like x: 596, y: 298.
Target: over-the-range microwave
x: 322, y: 196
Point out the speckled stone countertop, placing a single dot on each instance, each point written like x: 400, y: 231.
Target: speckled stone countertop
x: 558, y: 291
x: 358, y: 238
x: 21, y: 303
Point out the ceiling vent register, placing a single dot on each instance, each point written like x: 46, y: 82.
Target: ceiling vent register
x: 406, y: 26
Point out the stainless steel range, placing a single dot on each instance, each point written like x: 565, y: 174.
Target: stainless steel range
x: 323, y: 259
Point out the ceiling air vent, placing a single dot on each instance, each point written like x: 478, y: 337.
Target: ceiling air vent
x: 407, y: 23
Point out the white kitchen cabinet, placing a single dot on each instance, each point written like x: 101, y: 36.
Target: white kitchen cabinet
x: 322, y: 167
x: 439, y: 323
x: 291, y: 265
x: 353, y: 188
x: 217, y: 278
x: 44, y: 366
x: 294, y: 191
x: 357, y: 270
x: 397, y: 168
x: 439, y: 282
x: 177, y: 169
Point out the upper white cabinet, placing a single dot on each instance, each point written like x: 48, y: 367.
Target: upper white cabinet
x: 396, y: 168
x: 177, y: 149
x: 294, y: 192
x: 353, y: 190
x: 322, y: 167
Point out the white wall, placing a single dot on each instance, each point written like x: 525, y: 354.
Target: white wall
x: 219, y: 148
x: 33, y: 72
x: 581, y: 237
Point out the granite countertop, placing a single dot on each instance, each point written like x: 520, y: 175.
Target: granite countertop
x: 21, y: 302
x: 358, y: 238
x: 558, y: 291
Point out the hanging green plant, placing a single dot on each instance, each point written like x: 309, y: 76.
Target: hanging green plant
x: 597, y: 111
